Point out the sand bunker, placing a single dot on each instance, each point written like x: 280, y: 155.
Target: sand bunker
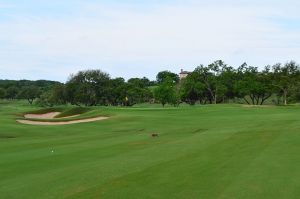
x: 42, y: 116
x: 62, y: 123
x: 52, y: 115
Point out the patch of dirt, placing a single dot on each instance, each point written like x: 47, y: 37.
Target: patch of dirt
x: 62, y: 123
x: 50, y: 115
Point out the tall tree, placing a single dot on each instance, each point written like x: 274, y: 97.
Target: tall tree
x: 12, y: 92
x: 285, y: 79
x: 88, y: 87
x: 117, y: 92
x: 254, y: 84
x: 167, y: 76
x: 2, y: 93
x: 192, y: 90
x: 210, y: 77
x: 227, y: 79
x: 30, y: 93
x: 166, y: 93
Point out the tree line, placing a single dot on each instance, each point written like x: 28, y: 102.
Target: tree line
x: 214, y: 83
x: 219, y: 82
x: 24, y: 89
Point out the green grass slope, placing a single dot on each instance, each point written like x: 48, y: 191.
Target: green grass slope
x: 223, y: 151
x: 73, y: 111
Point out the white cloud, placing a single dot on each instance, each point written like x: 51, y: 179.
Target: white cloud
x: 127, y: 42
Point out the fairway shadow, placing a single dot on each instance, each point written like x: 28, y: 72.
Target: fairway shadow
x: 7, y: 136
x: 200, y: 130
x: 129, y: 130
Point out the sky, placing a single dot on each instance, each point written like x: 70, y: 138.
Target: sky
x: 42, y: 39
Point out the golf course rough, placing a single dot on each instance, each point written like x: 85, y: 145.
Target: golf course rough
x: 212, y: 151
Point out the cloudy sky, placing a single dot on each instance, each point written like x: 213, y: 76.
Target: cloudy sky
x: 42, y: 39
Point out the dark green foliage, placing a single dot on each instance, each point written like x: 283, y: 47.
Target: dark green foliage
x: 167, y: 93
x: 94, y: 87
x: 254, y: 84
x: 30, y: 93
x: 46, y: 99
x: 117, y: 91
x: 12, y: 92
x: 142, y: 83
x: 2, y: 93
x: 192, y: 90
x: 167, y: 76
x: 88, y: 87
x: 286, y: 79
x: 210, y: 77
x: 44, y: 84
x: 218, y: 82
x: 214, y: 83
x: 137, y: 91
x: 15, y: 88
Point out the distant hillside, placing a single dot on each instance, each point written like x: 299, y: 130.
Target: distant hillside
x: 22, y: 83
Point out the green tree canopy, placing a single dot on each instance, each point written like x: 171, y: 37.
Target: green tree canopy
x: 167, y: 76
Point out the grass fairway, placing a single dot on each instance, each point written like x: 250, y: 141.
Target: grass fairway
x: 223, y: 151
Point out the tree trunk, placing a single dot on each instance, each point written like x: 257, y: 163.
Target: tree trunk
x: 246, y: 100
x: 252, y: 99
x: 256, y: 99
x: 30, y: 101
x: 216, y: 95
x: 265, y: 98
x: 285, y: 97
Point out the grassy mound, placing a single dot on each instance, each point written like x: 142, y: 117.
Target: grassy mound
x: 46, y: 110
x: 73, y: 111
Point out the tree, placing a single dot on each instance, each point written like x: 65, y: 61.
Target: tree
x: 210, y: 77
x: 139, y: 82
x: 227, y: 78
x: 137, y: 91
x: 2, y: 93
x: 117, y: 92
x: 166, y: 93
x: 58, y: 94
x: 90, y: 87
x: 135, y: 95
x: 30, y: 93
x: 254, y: 84
x: 192, y: 90
x: 12, y: 92
x: 46, y: 99
x: 286, y: 79
x: 167, y: 76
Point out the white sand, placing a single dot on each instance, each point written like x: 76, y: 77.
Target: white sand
x: 62, y: 123
x: 42, y: 116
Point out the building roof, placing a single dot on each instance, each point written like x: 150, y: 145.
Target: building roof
x: 184, y: 72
